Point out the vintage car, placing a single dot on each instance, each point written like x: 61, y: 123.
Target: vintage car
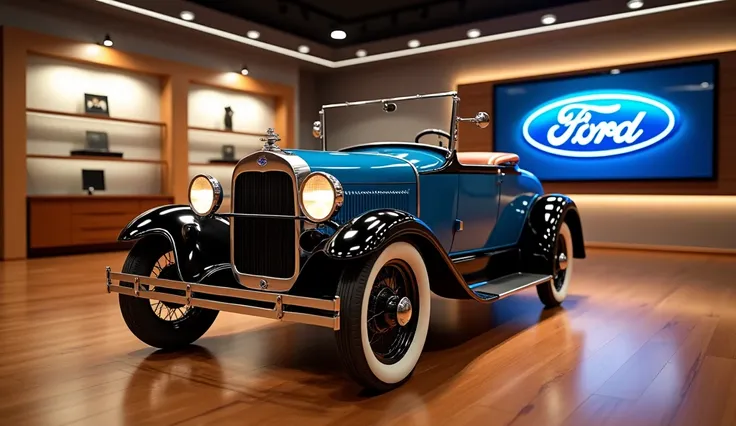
x: 356, y: 240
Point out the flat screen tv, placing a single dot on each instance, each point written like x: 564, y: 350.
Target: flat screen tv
x: 642, y: 124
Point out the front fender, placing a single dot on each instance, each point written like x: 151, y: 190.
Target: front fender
x: 372, y: 231
x: 199, y: 244
x: 546, y: 216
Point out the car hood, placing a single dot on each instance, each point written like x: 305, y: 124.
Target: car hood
x: 360, y: 168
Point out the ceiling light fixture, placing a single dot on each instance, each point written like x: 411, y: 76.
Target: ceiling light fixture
x: 338, y: 34
x: 474, y: 33
x: 187, y: 15
x: 549, y: 19
x: 635, y: 4
x: 244, y: 70
x: 303, y: 49
x: 290, y: 52
x: 107, y: 41
x: 255, y: 35
x: 414, y: 43
x: 361, y: 53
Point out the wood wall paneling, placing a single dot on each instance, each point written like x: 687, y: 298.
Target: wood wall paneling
x: 480, y: 98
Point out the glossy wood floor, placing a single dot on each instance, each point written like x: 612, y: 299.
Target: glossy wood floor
x: 644, y: 339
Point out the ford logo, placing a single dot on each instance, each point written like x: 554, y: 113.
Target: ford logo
x: 599, y: 124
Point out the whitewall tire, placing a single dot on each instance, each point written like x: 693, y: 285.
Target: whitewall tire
x: 554, y: 293
x: 384, y: 316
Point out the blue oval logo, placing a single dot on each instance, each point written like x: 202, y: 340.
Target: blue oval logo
x: 599, y: 124
x: 262, y: 161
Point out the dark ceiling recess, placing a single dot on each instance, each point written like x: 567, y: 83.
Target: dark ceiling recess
x: 372, y: 20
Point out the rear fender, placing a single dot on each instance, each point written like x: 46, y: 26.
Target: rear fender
x: 201, y: 245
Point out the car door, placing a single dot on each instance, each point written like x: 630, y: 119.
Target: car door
x: 477, y: 209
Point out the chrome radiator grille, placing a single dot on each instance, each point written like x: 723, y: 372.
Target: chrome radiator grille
x: 358, y: 201
x: 264, y: 247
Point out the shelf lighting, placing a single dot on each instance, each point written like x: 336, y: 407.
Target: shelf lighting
x: 255, y: 35
x: 303, y: 49
x: 187, y: 15
x: 338, y: 34
x: 244, y: 71
x: 549, y: 19
x: 414, y: 43
x: 107, y: 42
x: 615, y: 71
x: 635, y: 4
x: 474, y: 33
x: 361, y: 53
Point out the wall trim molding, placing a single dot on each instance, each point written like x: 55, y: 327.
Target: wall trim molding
x: 661, y: 248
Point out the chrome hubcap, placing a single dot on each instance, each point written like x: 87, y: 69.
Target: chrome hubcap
x: 562, y: 261
x: 403, y: 311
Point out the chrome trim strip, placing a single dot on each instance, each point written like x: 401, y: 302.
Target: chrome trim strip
x: 531, y: 284
x: 298, y: 170
x: 281, y: 302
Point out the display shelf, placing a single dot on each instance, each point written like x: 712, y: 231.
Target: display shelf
x: 95, y: 117
x: 93, y: 158
x: 232, y: 132
x: 231, y: 165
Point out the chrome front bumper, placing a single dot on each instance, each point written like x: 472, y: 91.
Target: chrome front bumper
x: 324, y: 312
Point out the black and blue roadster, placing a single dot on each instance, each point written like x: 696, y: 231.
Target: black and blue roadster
x: 355, y: 240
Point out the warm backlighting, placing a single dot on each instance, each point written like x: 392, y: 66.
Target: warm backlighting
x: 549, y: 19
x: 414, y: 43
x: 187, y: 15
x: 319, y: 197
x: 338, y: 34
x: 361, y: 53
x: 303, y: 49
x: 474, y: 33
x: 201, y: 195
x: 253, y: 34
x: 635, y: 4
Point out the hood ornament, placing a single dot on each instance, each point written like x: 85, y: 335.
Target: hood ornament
x: 271, y: 138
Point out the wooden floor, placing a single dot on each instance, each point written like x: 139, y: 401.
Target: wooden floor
x: 644, y: 339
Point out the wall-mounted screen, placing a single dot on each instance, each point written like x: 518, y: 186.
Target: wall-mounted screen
x: 655, y: 123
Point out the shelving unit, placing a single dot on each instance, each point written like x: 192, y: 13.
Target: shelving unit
x: 232, y: 132
x: 94, y: 117
x: 94, y: 158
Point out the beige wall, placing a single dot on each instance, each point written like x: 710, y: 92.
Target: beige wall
x: 669, y: 222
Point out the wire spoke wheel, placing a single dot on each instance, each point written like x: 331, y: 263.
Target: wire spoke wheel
x: 389, y: 339
x: 561, y: 258
x: 165, y: 268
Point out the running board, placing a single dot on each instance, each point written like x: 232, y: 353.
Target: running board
x: 507, y: 285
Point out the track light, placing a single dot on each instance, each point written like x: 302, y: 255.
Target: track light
x: 474, y: 33
x: 244, y: 70
x: 338, y: 34
x: 413, y: 43
x: 253, y: 34
x: 635, y: 4
x: 303, y: 49
x: 107, y: 41
x: 549, y: 19
x: 187, y: 15
x: 361, y: 53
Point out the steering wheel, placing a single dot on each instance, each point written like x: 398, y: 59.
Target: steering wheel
x: 437, y: 132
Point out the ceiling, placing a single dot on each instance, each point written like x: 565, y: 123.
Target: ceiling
x: 372, y: 20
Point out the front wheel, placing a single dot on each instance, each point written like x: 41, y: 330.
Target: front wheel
x: 384, y: 316
x: 160, y: 324
x: 552, y: 294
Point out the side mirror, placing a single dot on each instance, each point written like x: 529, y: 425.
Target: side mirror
x: 317, y: 129
x: 482, y: 119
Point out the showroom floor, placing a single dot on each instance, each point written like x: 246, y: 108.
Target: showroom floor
x: 644, y: 339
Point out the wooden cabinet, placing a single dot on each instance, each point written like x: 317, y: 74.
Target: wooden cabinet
x: 56, y: 222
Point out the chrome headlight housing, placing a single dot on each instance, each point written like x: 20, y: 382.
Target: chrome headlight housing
x: 205, y: 195
x: 320, y: 196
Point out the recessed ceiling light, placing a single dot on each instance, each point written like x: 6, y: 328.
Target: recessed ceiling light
x: 361, y: 53
x: 107, y: 41
x: 615, y: 71
x: 244, y: 71
x: 338, y: 34
x: 549, y: 19
x: 414, y: 43
x: 303, y: 49
x: 187, y: 15
x: 635, y: 4
x: 253, y: 34
x: 474, y: 33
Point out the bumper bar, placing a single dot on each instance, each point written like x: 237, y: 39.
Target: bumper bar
x: 328, y: 314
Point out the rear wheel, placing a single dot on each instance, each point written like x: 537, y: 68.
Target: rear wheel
x: 160, y: 324
x: 384, y: 316
x: 552, y: 294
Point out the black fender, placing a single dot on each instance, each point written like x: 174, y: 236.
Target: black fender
x: 201, y: 245
x: 370, y: 232
x: 547, y: 214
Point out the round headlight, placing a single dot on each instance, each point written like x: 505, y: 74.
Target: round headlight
x: 321, y: 196
x: 205, y: 195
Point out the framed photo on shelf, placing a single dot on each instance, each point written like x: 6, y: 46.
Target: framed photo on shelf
x: 228, y: 152
x: 96, y: 104
x: 93, y: 180
x: 96, y: 141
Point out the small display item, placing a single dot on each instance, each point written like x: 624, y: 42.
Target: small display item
x: 229, y: 118
x: 228, y: 152
x: 97, y: 141
x: 93, y: 180
x: 96, y: 104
